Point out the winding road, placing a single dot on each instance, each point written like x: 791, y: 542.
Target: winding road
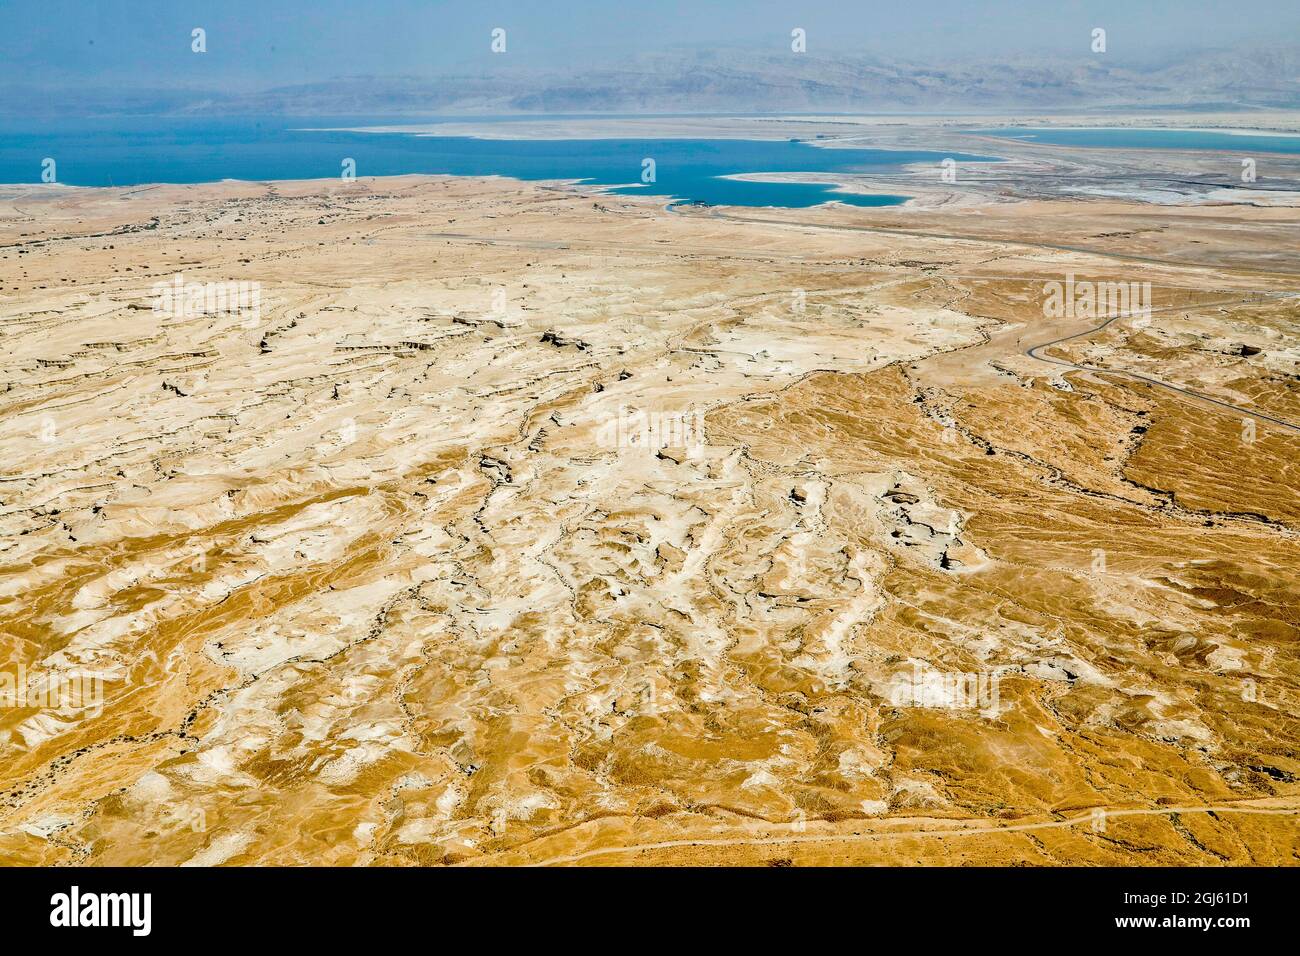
x: 1032, y: 351
x: 1096, y: 818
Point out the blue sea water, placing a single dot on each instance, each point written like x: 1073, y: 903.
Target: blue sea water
x: 137, y: 150
x: 1152, y: 139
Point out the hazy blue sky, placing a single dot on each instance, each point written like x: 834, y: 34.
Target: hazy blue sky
x: 254, y: 43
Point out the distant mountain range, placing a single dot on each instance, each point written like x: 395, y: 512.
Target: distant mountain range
x: 736, y: 81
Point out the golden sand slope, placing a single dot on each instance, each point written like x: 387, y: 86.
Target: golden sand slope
x: 369, y: 578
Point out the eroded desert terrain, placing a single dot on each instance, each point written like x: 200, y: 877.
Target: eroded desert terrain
x: 374, y: 574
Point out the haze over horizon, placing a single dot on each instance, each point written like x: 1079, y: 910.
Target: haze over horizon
x: 256, y: 45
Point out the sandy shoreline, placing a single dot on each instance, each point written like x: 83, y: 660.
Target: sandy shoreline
x: 1021, y: 170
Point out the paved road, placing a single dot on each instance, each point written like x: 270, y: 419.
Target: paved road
x: 942, y: 829
x: 1032, y: 352
x: 1020, y: 243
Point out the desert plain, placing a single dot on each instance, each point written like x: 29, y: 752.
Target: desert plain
x: 518, y: 524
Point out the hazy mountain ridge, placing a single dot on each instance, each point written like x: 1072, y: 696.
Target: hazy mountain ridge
x: 742, y: 81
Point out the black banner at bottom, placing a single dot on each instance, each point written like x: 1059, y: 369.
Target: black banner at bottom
x: 328, y: 905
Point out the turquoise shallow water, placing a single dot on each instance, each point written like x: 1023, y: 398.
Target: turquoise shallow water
x: 1152, y: 139
x: 137, y: 150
